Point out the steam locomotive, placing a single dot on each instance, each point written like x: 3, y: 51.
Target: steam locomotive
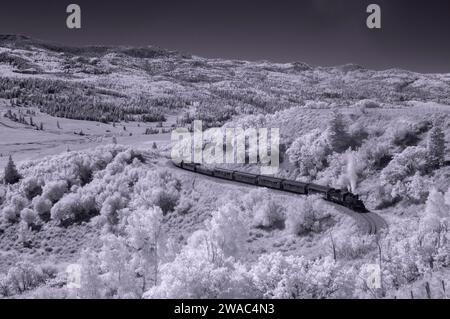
x: 338, y: 196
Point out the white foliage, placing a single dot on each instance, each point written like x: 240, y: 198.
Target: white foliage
x: 28, y: 216
x: 262, y: 209
x: 309, y: 152
x: 144, y: 234
x: 228, y: 230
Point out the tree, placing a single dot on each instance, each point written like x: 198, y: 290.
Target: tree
x: 116, y: 257
x: 11, y: 175
x: 309, y: 153
x: 435, y: 211
x: 228, y: 231
x: 91, y: 285
x: 338, y: 137
x: 436, y: 147
x: 144, y: 231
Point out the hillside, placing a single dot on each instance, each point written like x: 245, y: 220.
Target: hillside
x: 115, y: 83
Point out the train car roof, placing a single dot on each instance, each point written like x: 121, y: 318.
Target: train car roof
x: 245, y: 174
x: 319, y: 187
x: 270, y: 178
x: 295, y: 183
x: 224, y: 170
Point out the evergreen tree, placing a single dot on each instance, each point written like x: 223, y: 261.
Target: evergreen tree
x: 12, y: 176
x: 337, y: 135
x: 436, y: 147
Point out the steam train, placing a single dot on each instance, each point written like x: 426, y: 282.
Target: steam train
x: 341, y: 197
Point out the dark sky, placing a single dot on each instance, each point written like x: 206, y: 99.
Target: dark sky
x: 415, y: 34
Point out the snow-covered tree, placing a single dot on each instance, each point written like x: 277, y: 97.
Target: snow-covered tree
x: 91, y: 284
x: 435, y: 211
x: 115, y: 258
x: 228, y: 230
x: 193, y: 275
x: 309, y: 153
x: 278, y: 276
x: 11, y: 175
x: 145, y: 236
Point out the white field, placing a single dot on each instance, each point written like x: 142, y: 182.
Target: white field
x: 24, y: 142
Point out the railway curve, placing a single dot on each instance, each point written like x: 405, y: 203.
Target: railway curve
x: 369, y: 222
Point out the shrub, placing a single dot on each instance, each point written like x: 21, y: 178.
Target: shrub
x: 12, y: 211
x: 376, y: 156
x: 5, y: 287
x: 350, y: 246
x: 24, y: 277
x: 412, y: 160
x: 414, y: 189
x: 55, y: 190
x: 263, y: 210
x: 10, y: 214
x: 277, y: 276
x: 74, y: 208
x: 158, y: 188
x: 49, y: 271
x: 268, y: 214
x: 42, y: 207
x: 31, y: 187
x: 404, y: 135
x: 191, y: 275
x: 309, y: 215
x: 167, y: 201
x: 110, y: 210
x: 28, y: 216
x: 184, y: 205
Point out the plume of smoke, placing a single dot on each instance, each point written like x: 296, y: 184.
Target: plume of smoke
x: 351, y: 173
